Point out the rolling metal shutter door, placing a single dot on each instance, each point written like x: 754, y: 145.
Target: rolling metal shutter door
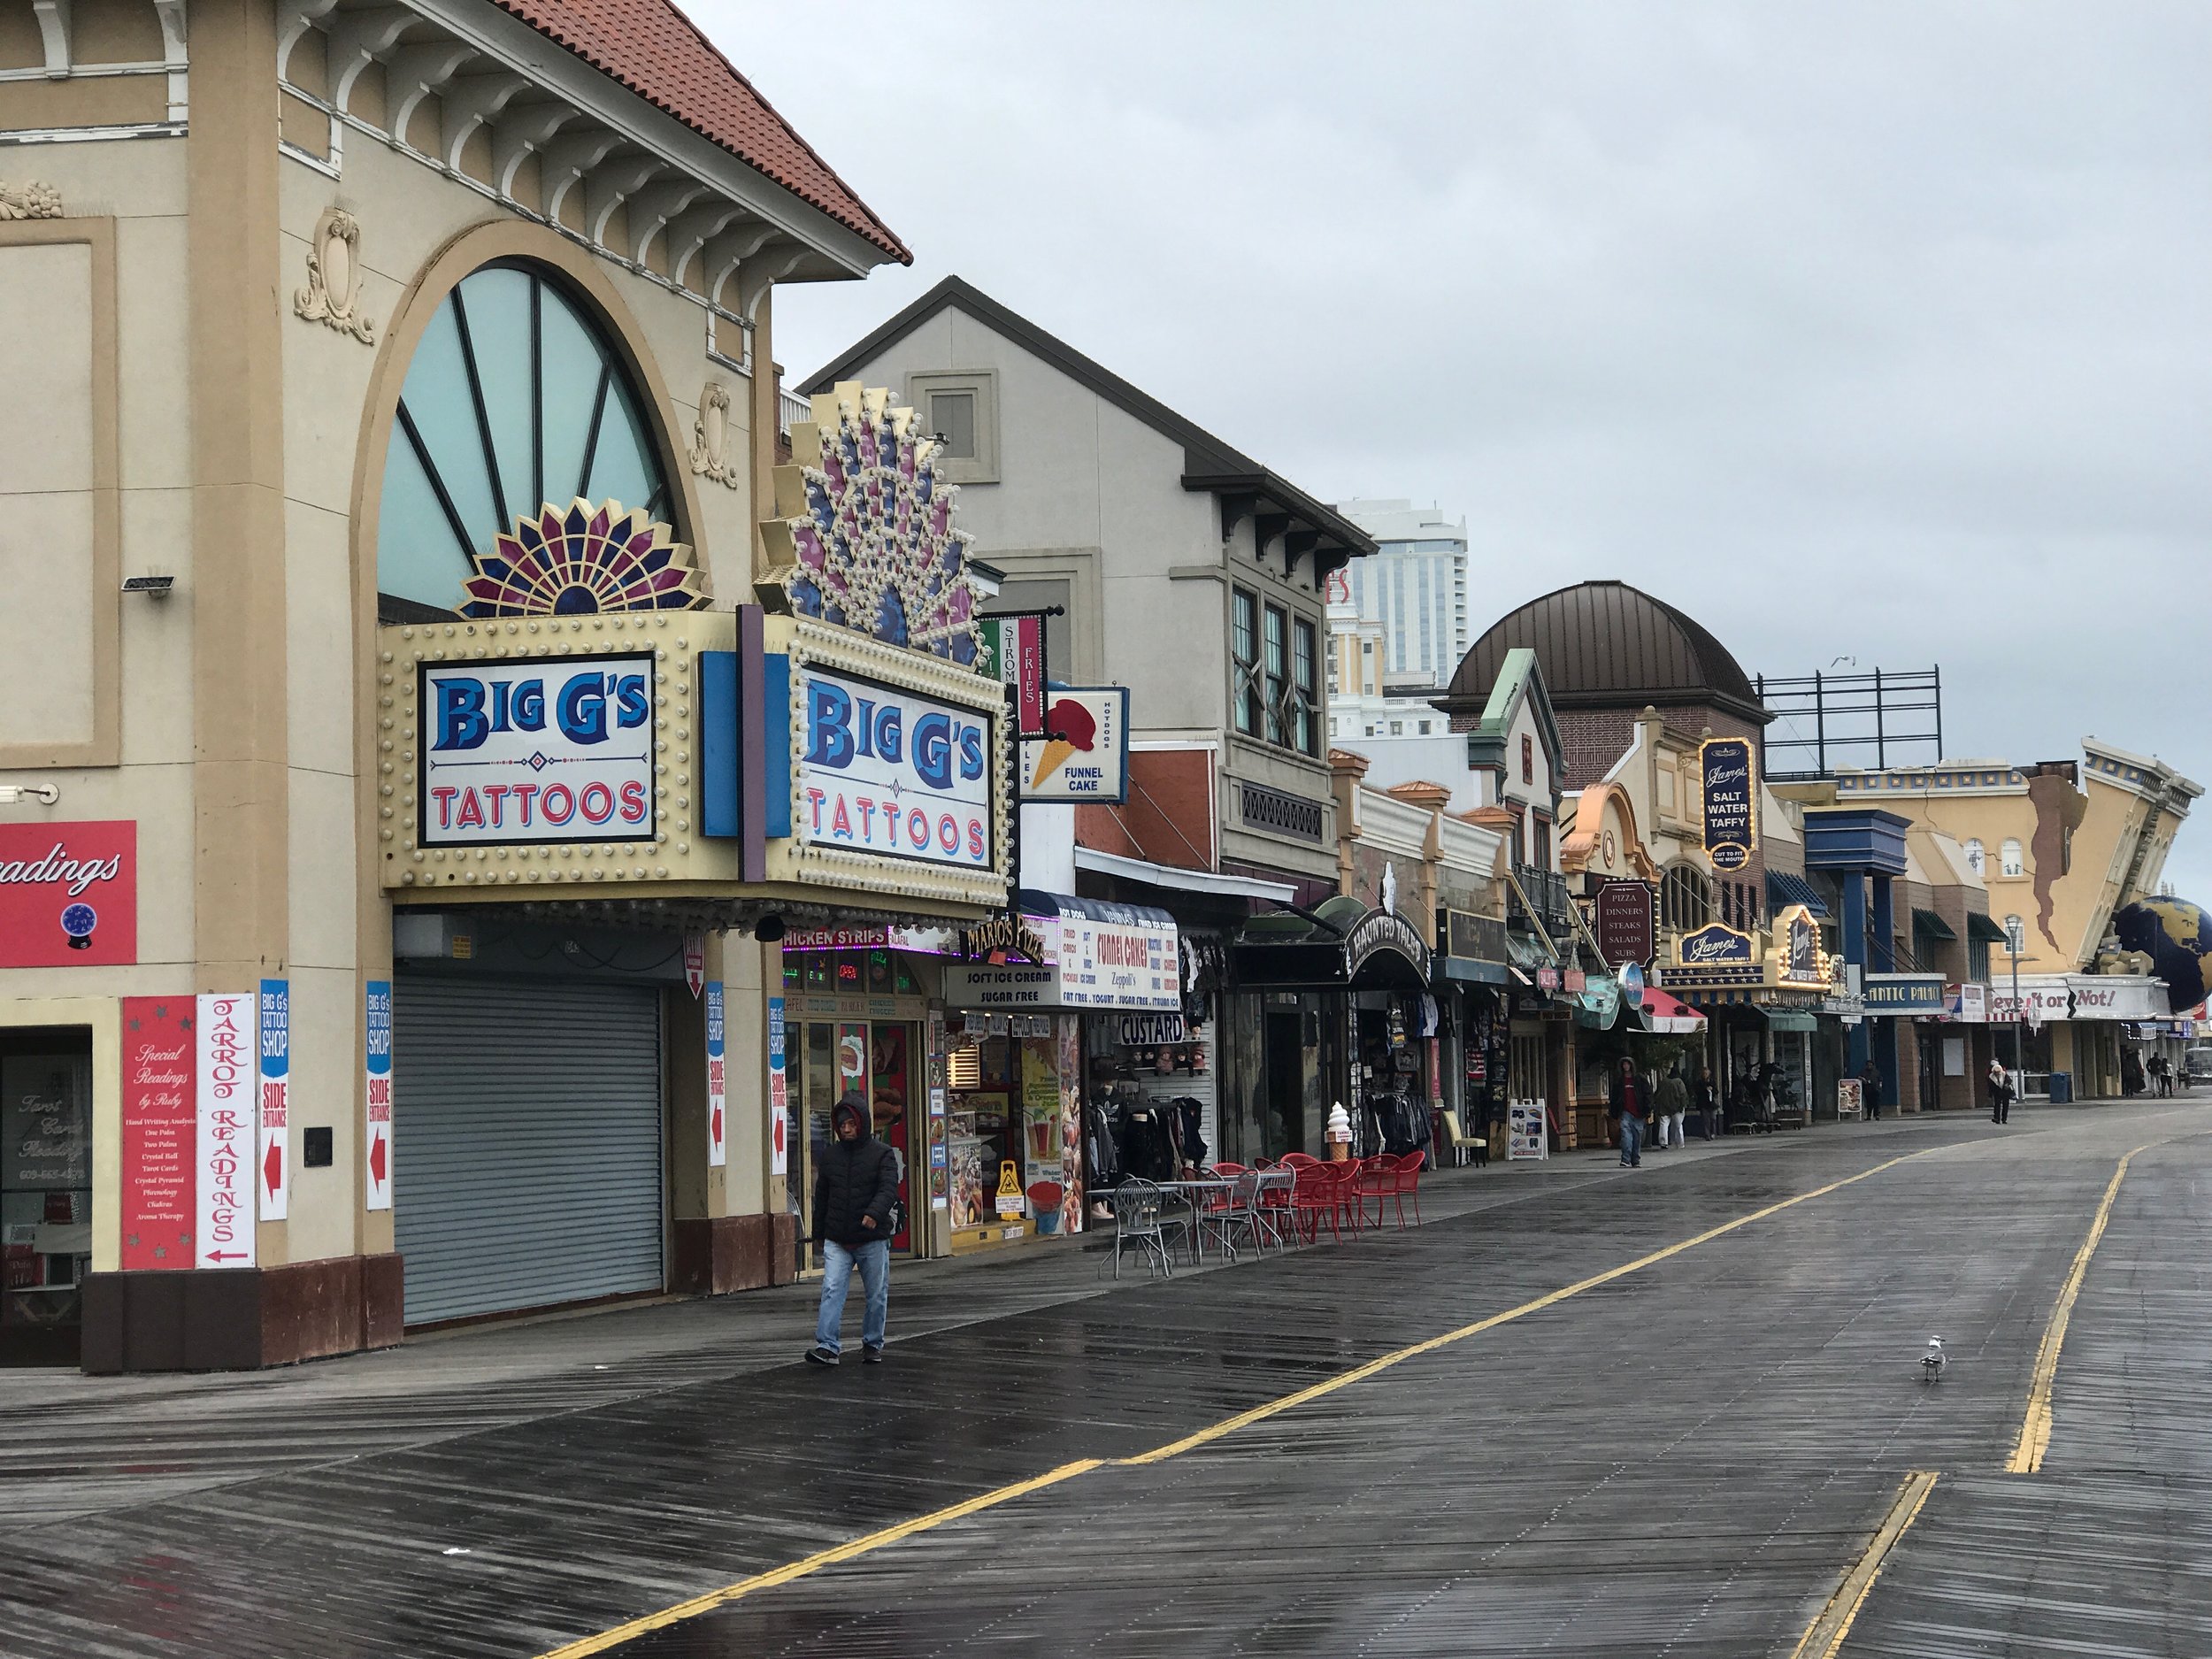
x: 526, y: 1143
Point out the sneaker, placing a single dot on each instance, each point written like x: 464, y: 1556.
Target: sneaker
x: 820, y: 1357
x: 871, y: 1356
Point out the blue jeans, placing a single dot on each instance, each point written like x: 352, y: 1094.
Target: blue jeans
x: 1631, y: 1138
x: 874, y: 1260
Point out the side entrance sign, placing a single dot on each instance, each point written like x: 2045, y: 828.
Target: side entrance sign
x: 376, y: 1169
x: 272, y: 1154
x: 718, y: 1087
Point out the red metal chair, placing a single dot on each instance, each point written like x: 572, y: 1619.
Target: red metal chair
x: 1375, y: 1178
x: 1315, y: 1192
x: 1409, y: 1168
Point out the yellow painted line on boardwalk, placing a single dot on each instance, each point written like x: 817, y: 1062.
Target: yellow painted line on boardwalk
x: 1824, y: 1637
x: 1345, y: 1379
x: 873, y: 1541
x: 785, y: 1574
x: 2035, y: 1427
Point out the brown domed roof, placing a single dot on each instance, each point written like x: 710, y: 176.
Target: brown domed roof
x: 1606, y: 645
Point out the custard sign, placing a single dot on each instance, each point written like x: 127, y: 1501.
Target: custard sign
x: 891, y: 772
x: 559, y: 750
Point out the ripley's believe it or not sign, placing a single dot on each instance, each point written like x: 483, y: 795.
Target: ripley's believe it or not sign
x: 1728, y: 792
x: 555, y: 732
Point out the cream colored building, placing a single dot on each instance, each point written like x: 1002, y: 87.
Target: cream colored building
x: 307, y: 305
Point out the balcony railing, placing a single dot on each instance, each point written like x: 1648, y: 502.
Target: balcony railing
x: 791, y: 408
x: 1546, y: 907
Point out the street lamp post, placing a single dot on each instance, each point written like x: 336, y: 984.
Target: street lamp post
x: 2019, y: 1055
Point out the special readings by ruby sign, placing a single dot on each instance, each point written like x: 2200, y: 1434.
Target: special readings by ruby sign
x: 68, y: 895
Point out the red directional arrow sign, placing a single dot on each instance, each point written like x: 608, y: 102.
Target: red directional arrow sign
x: 376, y: 1160
x: 272, y: 1168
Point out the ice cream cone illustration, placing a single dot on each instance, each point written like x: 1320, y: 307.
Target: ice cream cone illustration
x: 1072, y: 728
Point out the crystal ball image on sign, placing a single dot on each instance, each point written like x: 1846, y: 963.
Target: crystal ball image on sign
x: 553, y: 750
x: 891, y: 771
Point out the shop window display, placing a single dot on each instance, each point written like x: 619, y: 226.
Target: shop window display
x: 45, y: 1185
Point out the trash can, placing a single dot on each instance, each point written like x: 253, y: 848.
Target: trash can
x: 2062, y: 1088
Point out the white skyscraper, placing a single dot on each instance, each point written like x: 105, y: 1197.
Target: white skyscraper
x: 1415, y: 587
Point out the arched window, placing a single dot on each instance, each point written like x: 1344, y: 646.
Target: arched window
x: 514, y: 400
x: 1974, y: 857
x: 2010, y: 860
x: 1686, y: 898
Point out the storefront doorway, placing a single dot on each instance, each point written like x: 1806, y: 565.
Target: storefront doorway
x: 877, y: 1060
x: 45, y: 1192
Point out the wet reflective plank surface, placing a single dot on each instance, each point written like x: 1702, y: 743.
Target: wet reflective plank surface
x: 1682, y: 1460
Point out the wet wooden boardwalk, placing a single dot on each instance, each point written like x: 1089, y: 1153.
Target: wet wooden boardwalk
x: 1683, y: 1460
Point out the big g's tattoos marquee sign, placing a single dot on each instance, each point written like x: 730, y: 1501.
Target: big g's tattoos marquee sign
x: 537, y: 752
x: 894, y: 772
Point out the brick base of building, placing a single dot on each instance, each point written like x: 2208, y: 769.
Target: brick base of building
x: 715, y: 1256
x: 242, y: 1318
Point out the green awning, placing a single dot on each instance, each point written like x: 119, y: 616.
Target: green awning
x: 1790, y: 1020
x: 1979, y: 926
x: 1929, y: 923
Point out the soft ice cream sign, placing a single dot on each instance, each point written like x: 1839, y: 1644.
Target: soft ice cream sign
x: 557, y: 749
x: 891, y: 773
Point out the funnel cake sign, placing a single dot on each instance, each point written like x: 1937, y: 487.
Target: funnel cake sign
x: 68, y: 895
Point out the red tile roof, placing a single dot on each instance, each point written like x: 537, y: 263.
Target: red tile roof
x: 661, y: 55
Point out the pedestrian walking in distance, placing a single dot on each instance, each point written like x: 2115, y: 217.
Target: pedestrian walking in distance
x: 1706, y: 1101
x: 2000, y: 1092
x: 1631, y: 1101
x: 1672, y: 1097
x: 1871, y: 1087
x: 856, y: 1192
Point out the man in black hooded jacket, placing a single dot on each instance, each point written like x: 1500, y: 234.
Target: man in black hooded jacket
x: 856, y: 1188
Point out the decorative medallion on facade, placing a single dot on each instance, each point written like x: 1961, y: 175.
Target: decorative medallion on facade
x: 873, y: 546
x: 30, y: 201
x: 585, y: 561
x: 710, y: 438
x: 333, y: 294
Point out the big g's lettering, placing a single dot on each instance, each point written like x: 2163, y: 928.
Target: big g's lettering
x: 537, y: 752
x: 892, y: 771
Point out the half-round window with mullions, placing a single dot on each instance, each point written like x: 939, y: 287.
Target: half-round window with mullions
x: 520, y: 478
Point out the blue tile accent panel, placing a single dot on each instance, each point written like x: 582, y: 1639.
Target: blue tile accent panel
x: 1863, y: 839
x: 776, y: 742
x: 718, y: 744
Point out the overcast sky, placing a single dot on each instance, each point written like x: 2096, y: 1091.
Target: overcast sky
x: 1872, y: 331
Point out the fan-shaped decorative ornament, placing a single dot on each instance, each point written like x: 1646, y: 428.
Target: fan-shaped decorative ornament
x: 876, y: 549
x: 582, y: 561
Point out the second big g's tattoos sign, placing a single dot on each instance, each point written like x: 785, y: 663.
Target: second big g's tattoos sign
x: 891, y: 771
x: 537, y: 750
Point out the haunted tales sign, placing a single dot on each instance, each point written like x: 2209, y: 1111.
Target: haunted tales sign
x: 1728, y: 791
